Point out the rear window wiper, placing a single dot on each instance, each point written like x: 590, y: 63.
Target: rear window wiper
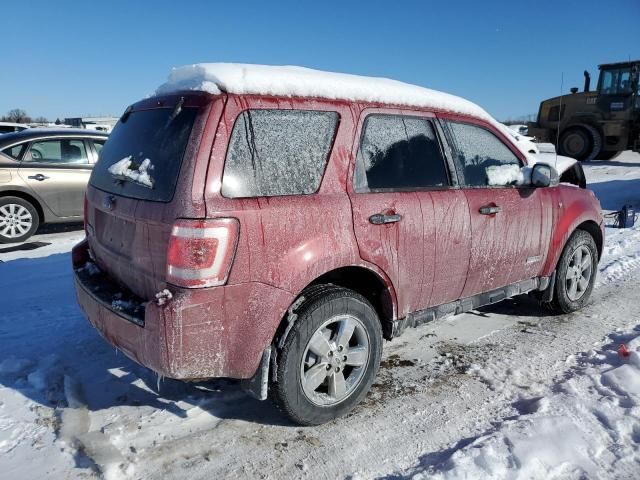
x: 126, y: 114
x: 176, y: 111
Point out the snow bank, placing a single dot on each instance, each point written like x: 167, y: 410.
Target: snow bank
x: 140, y: 175
x: 587, y: 427
x: 291, y: 81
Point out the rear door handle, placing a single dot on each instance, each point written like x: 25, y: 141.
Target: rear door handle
x: 381, y: 218
x: 490, y: 210
x: 39, y: 177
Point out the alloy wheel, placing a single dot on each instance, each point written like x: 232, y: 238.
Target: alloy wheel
x: 335, y: 360
x: 579, y: 273
x: 15, y: 220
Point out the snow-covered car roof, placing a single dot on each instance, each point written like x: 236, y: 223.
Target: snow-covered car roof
x: 292, y: 81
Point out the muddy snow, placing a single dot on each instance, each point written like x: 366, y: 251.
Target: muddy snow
x: 504, y: 392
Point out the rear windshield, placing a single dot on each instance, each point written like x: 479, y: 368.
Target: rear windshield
x: 143, y: 155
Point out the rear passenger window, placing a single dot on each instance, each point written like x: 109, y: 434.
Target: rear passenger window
x: 278, y: 152
x: 15, y: 151
x: 476, y: 150
x: 399, y: 152
x: 98, y: 144
x: 57, y: 151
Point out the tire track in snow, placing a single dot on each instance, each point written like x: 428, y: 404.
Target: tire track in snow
x: 93, y: 447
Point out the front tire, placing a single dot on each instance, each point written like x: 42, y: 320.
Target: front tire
x: 329, y: 358
x: 575, y: 274
x: 582, y: 143
x: 18, y: 220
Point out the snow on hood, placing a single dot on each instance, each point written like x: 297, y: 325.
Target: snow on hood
x: 559, y: 162
x: 291, y: 81
x: 538, y: 153
x: 122, y: 169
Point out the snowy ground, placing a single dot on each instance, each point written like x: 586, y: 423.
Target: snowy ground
x: 505, y: 392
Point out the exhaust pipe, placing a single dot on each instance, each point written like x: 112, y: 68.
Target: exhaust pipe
x: 587, y: 81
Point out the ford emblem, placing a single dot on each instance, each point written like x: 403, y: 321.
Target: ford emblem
x: 109, y: 202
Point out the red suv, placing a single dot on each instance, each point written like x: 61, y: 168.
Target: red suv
x: 275, y: 224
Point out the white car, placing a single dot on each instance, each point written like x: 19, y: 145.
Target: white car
x: 10, y: 127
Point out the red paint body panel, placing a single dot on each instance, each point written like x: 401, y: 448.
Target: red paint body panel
x: 200, y: 333
x: 507, y: 246
x: 453, y: 245
x: 442, y: 249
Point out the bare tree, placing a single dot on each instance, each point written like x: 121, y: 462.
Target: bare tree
x: 18, y: 115
x: 41, y: 120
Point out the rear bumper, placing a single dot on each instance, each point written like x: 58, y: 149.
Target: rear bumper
x: 198, y: 334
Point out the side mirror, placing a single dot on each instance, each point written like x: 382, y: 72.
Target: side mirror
x: 544, y: 175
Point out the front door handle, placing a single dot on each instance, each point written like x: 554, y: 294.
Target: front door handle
x: 39, y: 177
x: 381, y: 218
x: 490, y: 210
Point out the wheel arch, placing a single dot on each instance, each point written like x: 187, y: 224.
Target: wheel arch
x: 27, y: 197
x: 593, y: 229
x: 368, y: 282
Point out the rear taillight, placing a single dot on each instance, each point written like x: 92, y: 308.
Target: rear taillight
x: 85, y: 215
x: 201, y: 252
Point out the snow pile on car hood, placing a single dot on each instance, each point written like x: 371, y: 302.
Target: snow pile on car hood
x: 292, y: 81
x: 559, y: 162
x: 538, y: 152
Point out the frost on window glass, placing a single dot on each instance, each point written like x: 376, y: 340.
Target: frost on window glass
x: 399, y: 152
x: 278, y: 152
x: 476, y: 150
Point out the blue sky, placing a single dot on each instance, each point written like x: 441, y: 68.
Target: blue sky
x: 70, y: 58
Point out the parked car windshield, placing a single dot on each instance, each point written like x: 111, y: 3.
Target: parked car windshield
x: 144, y: 153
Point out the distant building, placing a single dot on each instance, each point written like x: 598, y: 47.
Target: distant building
x: 103, y: 124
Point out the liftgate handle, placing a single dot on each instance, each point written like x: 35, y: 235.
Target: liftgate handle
x: 490, y: 210
x: 381, y: 219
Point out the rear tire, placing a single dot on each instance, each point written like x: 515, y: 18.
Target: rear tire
x: 329, y: 358
x: 575, y: 273
x: 18, y: 220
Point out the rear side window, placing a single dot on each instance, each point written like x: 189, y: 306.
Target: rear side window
x: 63, y: 151
x: 15, y: 151
x: 475, y: 150
x: 98, y: 144
x: 399, y: 152
x: 144, y: 153
x: 278, y: 152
